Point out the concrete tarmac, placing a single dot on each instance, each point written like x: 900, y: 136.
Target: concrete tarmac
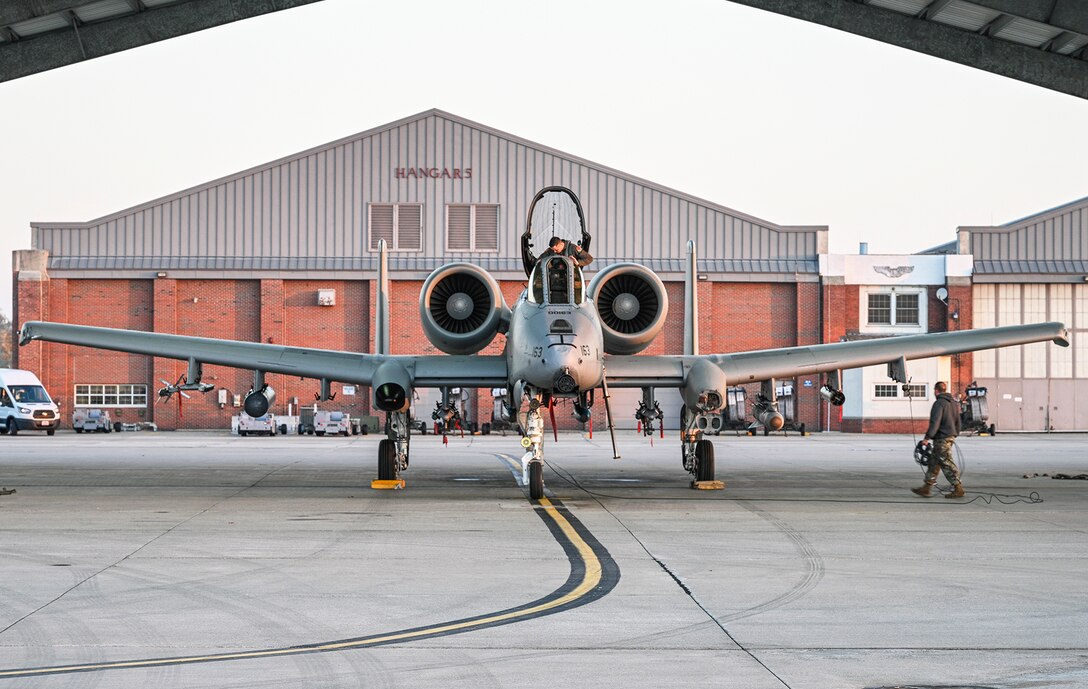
x: 205, y: 560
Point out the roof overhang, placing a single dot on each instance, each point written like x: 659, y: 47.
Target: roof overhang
x: 39, y: 35
x: 1041, y: 42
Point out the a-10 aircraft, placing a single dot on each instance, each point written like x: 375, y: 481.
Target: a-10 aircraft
x: 564, y: 340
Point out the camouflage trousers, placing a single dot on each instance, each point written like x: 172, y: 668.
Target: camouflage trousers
x: 940, y: 459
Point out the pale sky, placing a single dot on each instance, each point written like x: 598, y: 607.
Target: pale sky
x: 788, y: 121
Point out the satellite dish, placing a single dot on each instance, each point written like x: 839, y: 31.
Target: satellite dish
x: 942, y: 294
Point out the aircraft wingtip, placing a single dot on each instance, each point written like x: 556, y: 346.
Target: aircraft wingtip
x: 1062, y: 340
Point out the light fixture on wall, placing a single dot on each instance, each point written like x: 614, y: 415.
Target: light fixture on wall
x: 160, y: 275
x: 955, y: 315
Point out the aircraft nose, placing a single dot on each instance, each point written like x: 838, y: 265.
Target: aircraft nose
x: 563, y: 363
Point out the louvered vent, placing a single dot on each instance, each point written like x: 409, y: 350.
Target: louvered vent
x: 487, y: 228
x: 409, y: 227
x: 459, y: 228
x: 381, y: 224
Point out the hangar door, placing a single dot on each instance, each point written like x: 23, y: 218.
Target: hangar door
x: 1038, y: 387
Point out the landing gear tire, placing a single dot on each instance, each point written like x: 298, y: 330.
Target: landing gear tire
x: 536, y: 480
x: 704, y: 461
x: 387, y: 460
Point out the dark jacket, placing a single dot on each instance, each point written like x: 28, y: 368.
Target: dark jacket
x: 580, y: 258
x: 944, y: 418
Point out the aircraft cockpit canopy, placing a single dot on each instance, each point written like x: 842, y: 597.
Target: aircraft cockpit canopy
x: 556, y: 280
x: 555, y: 212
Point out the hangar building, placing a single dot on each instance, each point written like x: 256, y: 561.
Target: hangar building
x: 1030, y: 270
x: 285, y: 253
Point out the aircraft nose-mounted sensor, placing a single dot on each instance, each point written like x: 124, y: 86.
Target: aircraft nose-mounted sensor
x: 565, y: 382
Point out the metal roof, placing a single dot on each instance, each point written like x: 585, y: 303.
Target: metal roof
x: 309, y: 211
x: 1051, y: 243
x: 46, y: 34
x: 940, y: 249
x: 398, y: 263
x: 1075, y: 267
x: 1042, y: 42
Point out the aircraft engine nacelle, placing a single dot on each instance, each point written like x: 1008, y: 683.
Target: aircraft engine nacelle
x: 258, y: 402
x: 462, y: 308
x: 392, y: 387
x: 632, y: 303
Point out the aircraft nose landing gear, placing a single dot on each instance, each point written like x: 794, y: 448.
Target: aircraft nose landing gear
x: 532, y: 427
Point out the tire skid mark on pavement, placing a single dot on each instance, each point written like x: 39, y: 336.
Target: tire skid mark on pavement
x: 593, y: 575
x: 814, y: 568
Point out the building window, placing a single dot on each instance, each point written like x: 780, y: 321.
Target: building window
x: 880, y: 309
x: 886, y: 391
x: 892, y: 391
x: 399, y: 224
x: 906, y: 309
x: 916, y: 391
x: 893, y: 308
x: 111, y: 395
x: 472, y: 227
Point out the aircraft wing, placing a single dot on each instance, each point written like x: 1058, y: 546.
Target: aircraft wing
x: 788, y: 362
x: 345, y: 367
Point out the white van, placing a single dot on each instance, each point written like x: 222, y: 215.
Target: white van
x: 24, y: 404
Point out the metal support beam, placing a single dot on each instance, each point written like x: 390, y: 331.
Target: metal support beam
x: 933, y: 9
x: 1058, y: 41
x: 995, y: 26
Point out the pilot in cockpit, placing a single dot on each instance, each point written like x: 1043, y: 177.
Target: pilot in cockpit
x: 559, y: 247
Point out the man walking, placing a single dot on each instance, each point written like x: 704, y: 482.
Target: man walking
x: 944, y: 426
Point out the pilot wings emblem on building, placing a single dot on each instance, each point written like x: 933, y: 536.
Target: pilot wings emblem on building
x: 894, y: 271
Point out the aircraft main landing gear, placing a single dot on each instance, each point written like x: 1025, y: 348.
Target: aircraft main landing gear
x: 393, y: 449
x: 696, y: 452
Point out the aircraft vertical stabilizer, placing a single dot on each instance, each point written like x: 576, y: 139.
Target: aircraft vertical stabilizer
x: 381, y: 313
x: 691, y: 304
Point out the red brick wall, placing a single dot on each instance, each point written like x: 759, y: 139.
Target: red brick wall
x: 840, y: 316
x: 733, y: 317
x: 959, y: 301
x: 109, y: 304
x: 227, y: 309
x: 749, y: 315
x: 298, y: 321
x: 905, y: 426
x: 104, y: 303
